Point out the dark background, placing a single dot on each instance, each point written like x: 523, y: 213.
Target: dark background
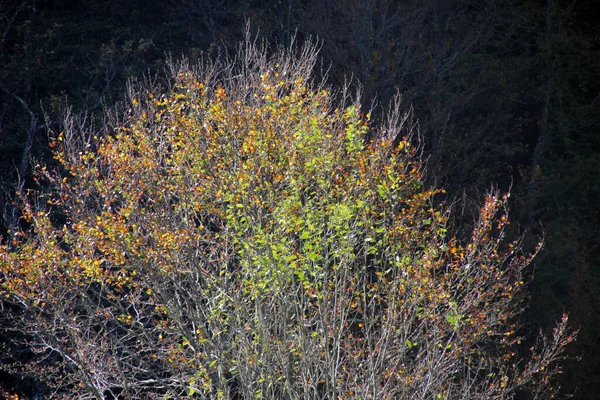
x: 506, y: 93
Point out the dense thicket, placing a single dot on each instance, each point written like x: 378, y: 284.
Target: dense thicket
x: 505, y: 92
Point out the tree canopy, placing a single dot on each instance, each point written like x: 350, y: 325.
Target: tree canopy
x: 248, y: 232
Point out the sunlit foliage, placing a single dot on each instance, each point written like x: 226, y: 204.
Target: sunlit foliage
x: 249, y: 233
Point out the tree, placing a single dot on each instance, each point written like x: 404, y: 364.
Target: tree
x: 248, y: 233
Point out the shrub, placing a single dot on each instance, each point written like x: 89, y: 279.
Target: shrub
x: 248, y: 233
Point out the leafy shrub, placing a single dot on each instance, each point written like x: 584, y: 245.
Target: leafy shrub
x: 248, y: 233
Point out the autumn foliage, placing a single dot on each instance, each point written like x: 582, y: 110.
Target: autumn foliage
x: 246, y: 232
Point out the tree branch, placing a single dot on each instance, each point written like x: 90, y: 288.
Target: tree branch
x: 24, y: 165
